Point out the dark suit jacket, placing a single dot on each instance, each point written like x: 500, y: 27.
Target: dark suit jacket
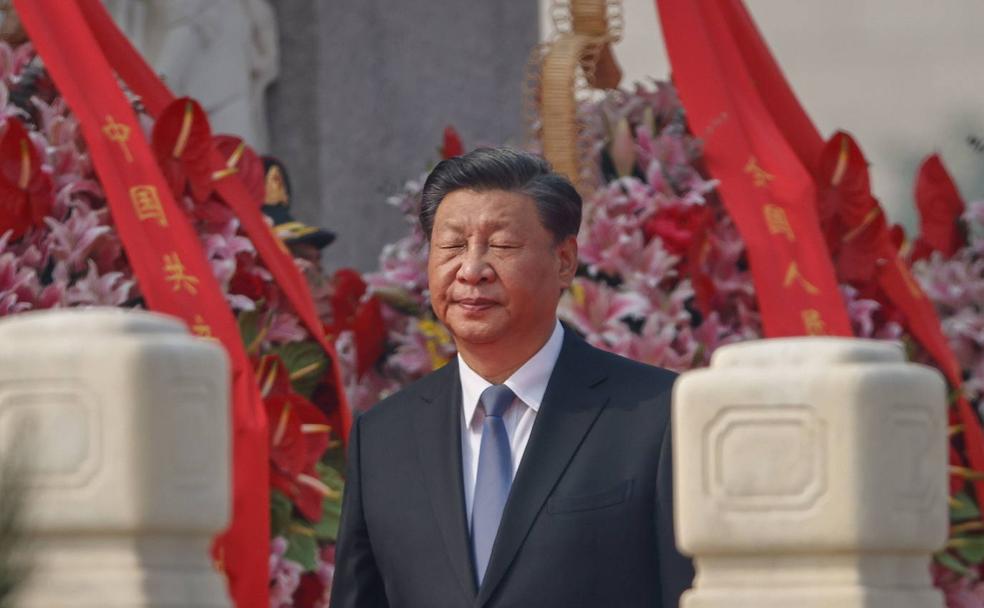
x: 588, y: 521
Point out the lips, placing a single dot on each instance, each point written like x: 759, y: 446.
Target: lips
x: 475, y: 304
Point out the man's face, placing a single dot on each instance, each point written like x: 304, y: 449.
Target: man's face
x: 495, y: 272
x: 307, y: 251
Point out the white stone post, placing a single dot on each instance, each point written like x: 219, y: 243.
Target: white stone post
x: 809, y: 473
x: 124, y: 421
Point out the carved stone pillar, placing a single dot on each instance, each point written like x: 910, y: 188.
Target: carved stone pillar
x: 811, y: 472
x: 122, y: 422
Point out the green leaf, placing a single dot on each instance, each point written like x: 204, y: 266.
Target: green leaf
x: 306, y: 363
x: 953, y: 564
x: 970, y: 548
x: 250, y: 327
x: 331, y: 507
x: 962, y: 508
x: 280, y: 509
x: 302, y: 547
x: 329, y: 475
x: 331, y: 513
x: 334, y: 456
x: 399, y: 299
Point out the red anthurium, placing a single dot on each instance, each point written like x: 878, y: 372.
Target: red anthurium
x: 25, y: 189
x: 352, y: 311
x: 451, y: 146
x: 310, y: 591
x: 370, y: 334
x: 299, y: 435
x: 288, y: 449
x: 896, y: 234
x: 182, y: 143
x: 241, y: 160
x: 349, y: 289
x: 273, y: 377
x: 855, y: 227
x: 940, y: 207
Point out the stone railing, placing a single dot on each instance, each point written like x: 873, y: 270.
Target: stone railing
x: 122, y: 421
x: 809, y: 473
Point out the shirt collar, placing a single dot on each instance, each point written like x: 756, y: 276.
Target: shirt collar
x: 529, y: 382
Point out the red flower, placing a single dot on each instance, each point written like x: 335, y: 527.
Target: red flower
x: 182, y: 143
x: 703, y: 285
x: 310, y: 590
x: 940, y: 207
x: 299, y: 435
x: 677, y: 226
x: 248, y: 284
x: 349, y: 289
x: 25, y: 190
x: 242, y: 160
x: 452, y: 144
x: 272, y: 375
x: 896, y: 235
x: 352, y: 311
x: 853, y: 223
x: 370, y: 334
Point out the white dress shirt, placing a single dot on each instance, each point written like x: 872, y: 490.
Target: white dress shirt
x: 529, y: 382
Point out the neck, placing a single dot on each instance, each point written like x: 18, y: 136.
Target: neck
x: 496, y: 361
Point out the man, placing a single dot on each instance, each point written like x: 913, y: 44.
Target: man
x: 535, y: 469
x: 305, y: 242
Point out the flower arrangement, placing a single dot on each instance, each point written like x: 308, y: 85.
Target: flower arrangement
x: 59, y: 248
x: 954, y: 281
x: 664, y: 279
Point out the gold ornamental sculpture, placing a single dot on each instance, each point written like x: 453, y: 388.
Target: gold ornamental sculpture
x: 562, y: 74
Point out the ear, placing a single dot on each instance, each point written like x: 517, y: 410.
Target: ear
x: 567, y: 256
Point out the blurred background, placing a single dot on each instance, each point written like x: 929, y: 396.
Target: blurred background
x: 353, y: 96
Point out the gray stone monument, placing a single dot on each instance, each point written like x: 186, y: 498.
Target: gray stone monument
x: 362, y: 90
x: 365, y: 90
x: 221, y: 52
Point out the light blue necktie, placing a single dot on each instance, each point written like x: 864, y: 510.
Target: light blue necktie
x: 494, y: 475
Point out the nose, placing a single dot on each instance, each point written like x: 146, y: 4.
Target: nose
x: 474, y: 268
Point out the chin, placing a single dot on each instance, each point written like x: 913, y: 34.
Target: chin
x: 475, y: 332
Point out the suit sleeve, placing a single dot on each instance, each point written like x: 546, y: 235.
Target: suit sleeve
x: 357, y: 582
x: 676, y: 572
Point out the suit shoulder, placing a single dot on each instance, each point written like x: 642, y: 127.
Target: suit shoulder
x: 628, y: 370
x: 401, y: 403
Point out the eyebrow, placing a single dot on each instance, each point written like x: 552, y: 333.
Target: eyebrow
x: 491, y: 224
x: 451, y: 226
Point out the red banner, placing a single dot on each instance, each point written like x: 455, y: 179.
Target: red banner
x: 168, y: 261
x: 133, y: 69
x: 775, y: 92
x: 764, y: 184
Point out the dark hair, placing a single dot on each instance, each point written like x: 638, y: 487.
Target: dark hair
x: 557, y: 202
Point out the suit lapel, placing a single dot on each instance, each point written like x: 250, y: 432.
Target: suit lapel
x: 438, y: 434
x: 570, y: 406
